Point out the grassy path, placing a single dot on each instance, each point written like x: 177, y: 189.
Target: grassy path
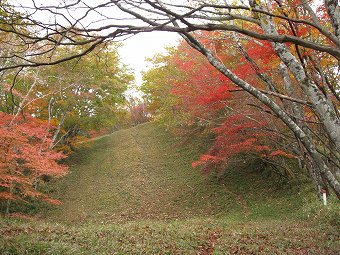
x: 135, y: 192
x: 138, y: 174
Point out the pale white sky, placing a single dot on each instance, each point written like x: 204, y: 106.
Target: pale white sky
x: 141, y: 46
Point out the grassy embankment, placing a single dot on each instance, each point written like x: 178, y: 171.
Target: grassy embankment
x: 134, y: 192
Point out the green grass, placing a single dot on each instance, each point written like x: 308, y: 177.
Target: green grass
x: 173, y: 237
x: 135, y: 192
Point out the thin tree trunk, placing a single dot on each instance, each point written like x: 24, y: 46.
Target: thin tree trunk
x: 8, y: 203
x: 57, y: 131
x: 23, y: 101
x: 302, y: 136
x: 325, y: 111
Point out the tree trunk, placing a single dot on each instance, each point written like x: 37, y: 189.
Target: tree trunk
x: 57, y: 131
x: 324, y: 110
x: 333, y: 10
x: 302, y: 136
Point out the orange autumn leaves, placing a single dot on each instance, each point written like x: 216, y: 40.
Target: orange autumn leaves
x: 26, y: 157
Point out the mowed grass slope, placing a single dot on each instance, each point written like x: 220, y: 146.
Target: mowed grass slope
x: 135, y: 192
x: 138, y: 174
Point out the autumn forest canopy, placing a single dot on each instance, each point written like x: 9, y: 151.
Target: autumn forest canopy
x: 258, y: 81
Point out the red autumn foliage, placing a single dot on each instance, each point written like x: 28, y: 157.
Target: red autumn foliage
x: 138, y: 114
x: 236, y: 135
x: 25, y: 157
x: 204, y: 92
x: 202, y: 89
x: 281, y: 153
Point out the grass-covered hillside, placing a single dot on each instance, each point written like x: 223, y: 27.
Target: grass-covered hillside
x: 135, y: 192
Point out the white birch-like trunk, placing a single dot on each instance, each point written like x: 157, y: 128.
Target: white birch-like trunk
x: 333, y: 10
x: 57, y: 131
x: 324, y: 110
x: 23, y: 101
x: 299, y: 133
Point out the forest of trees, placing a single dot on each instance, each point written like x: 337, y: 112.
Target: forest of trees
x: 261, y: 77
x: 48, y: 112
